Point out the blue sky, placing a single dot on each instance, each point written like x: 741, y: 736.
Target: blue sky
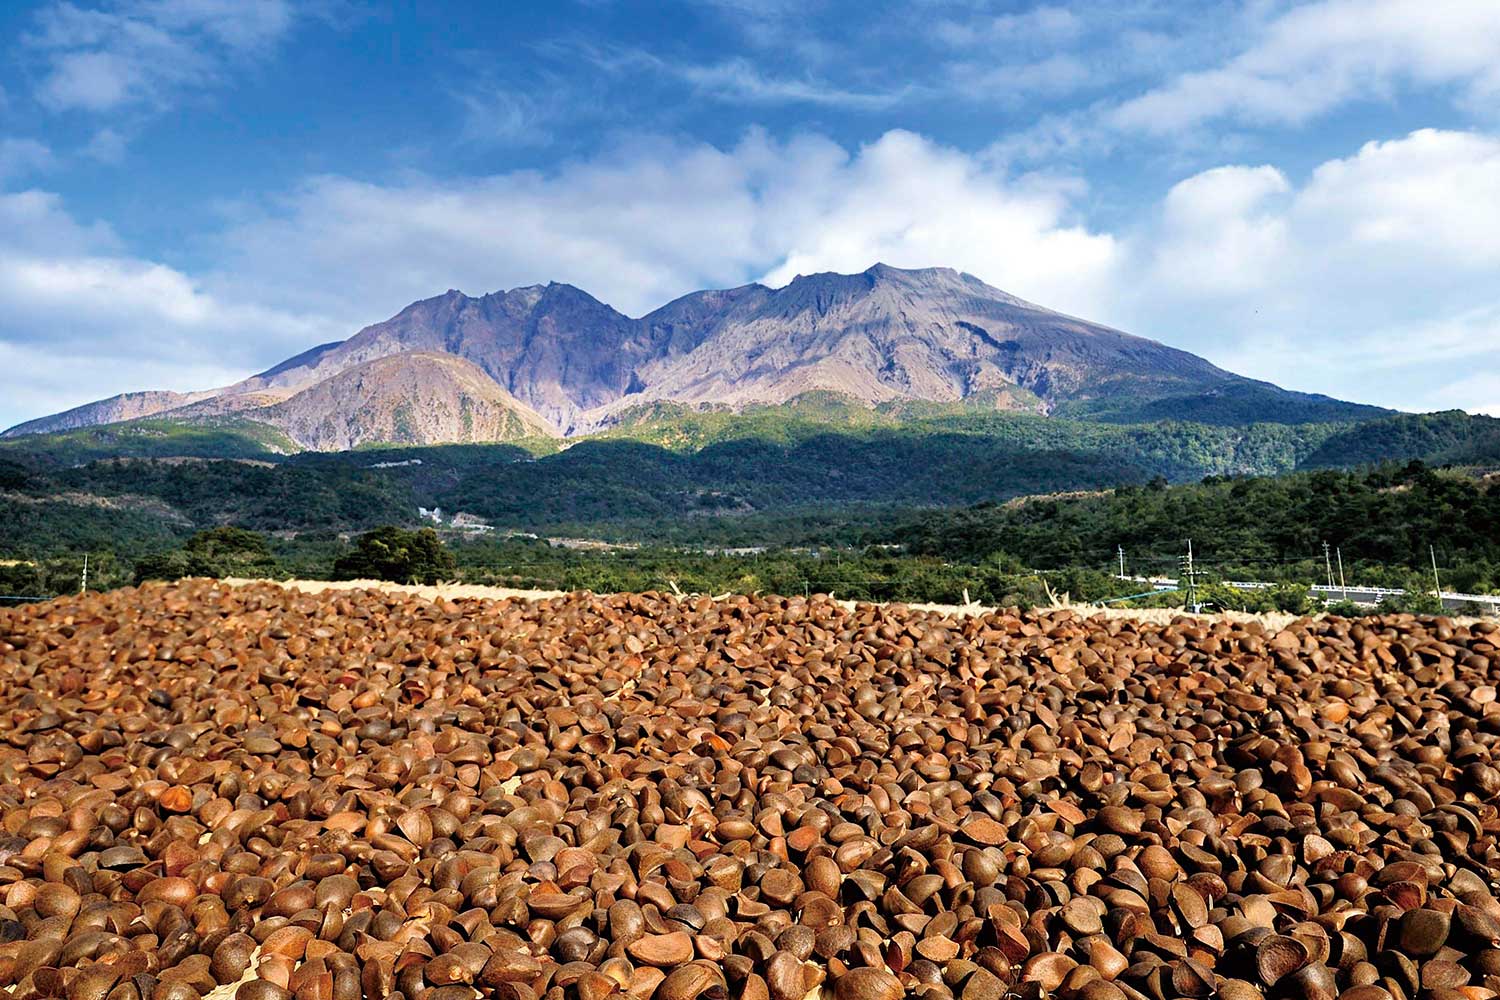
x: 191, y: 190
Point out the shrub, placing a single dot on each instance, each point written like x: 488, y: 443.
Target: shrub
x: 1291, y: 598
x: 1416, y: 602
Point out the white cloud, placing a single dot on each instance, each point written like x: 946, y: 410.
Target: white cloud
x: 505, y: 115
x: 1374, y: 277
x: 1423, y: 209
x: 83, y: 319
x: 22, y: 156
x: 242, y: 25
x: 35, y: 222
x: 783, y: 26
x: 1319, y: 55
x: 909, y: 203
x: 656, y: 219
x: 1433, y: 195
x: 144, y: 53
x: 1220, y: 225
x: 98, y: 81
x: 740, y: 80
x: 103, y: 291
x: 1006, y: 83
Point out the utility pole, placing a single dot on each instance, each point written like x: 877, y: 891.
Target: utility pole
x: 1342, y: 585
x: 1328, y: 565
x: 1121, y: 550
x: 1189, y: 581
x: 1437, y: 586
x: 83, y: 584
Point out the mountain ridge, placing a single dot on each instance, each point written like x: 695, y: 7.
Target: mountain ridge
x: 568, y: 364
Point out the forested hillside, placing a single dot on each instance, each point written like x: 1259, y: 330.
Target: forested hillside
x: 937, y: 478
x: 1382, y: 519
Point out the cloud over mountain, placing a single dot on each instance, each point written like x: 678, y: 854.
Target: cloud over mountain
x: 1236, y: 262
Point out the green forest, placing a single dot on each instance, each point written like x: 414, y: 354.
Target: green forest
x: 1381, y: 521
x: 1017, y: 553
x: 917, y: 502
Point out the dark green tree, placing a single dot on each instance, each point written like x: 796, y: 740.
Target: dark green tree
x: 217, y: 552
x: 229, y: 544
x: 399, y: 555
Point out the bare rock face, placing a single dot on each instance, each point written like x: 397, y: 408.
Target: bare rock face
x: 554, y: 357
x: 416, y: 398
x: 556, y: 348
x: 890, y: 334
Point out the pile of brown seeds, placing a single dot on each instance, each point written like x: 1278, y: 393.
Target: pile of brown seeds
x: 260, y: 793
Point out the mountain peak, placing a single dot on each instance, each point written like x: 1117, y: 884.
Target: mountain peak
x: 564, y: 290
x: 882, y: 335
x: 883, y: 270
x: 830, y: 290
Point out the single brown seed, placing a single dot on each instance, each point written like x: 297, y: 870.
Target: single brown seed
x: 867, y: 984
x: 1422, y: 932
x: 1191, y: 979
x: 784, y: 976
x: 232, y: 957
x: 662, y: 950
x: 983, y: 830
x: 1278, y: 956
x: 1120, y: 820
x: 260, y: 989
x: 446, y: 970
x: 688, y: 982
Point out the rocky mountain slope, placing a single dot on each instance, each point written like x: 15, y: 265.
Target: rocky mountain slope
x: 889, y: 334
x: 126, y: 406
x: 415, y: 398
x: 551, y: 358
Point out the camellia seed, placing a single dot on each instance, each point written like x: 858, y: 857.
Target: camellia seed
x: 278, y: 795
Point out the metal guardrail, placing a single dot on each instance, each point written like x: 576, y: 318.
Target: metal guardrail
x: 1323, y: 588
x: 26, y: 598
x: 1160, y: 584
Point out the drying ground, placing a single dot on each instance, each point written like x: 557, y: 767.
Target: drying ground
x: 264, y: 792
x: 459, y: 591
